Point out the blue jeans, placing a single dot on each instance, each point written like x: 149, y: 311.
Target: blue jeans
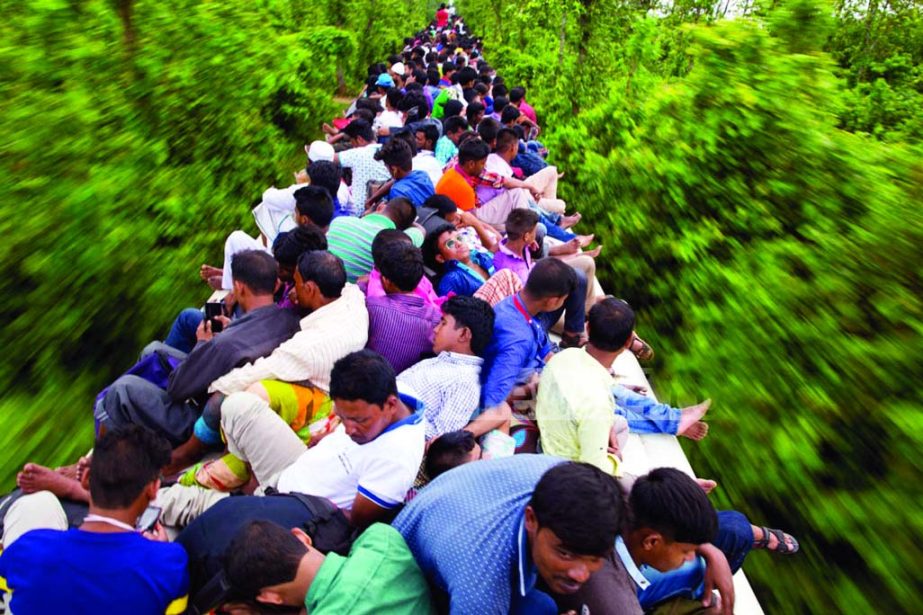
x: 182, y: 332
x: 551, y: 225
x: 574, y: 309
x: 735, y: 539
x: 643, y: 413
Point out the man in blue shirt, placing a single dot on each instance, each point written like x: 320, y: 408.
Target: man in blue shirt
x: 485, y: 533
x: 520, y: 346
x: 106, y: 565
x: 415, y: 186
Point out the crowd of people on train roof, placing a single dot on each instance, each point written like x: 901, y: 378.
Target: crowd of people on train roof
x: 371, y: 416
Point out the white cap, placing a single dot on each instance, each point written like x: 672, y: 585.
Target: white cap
x: 320, y: 150
x: 398, y: 68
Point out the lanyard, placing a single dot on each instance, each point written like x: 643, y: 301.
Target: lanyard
x: 521, y: 309
x: 109, y: 521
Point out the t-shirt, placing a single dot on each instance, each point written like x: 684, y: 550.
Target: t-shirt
x: 497, y: 165
x: 455, y: 186
x: 466, y: 531
x: 382, y: 470
x: 379, y: 577
x: 416, y: 187
x: 350, y: 239
x: 362, y: 161
x: 73, y: 571
x: 426, y: 161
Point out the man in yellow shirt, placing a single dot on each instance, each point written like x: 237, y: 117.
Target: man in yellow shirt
x: 578, y: 402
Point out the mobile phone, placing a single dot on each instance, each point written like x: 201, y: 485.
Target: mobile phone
x: 148, y: 518
x: 212, y: 309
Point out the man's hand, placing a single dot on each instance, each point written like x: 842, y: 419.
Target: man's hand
x: 536, y: 193
x: 203, y: 332
x: 466, y: 218
x: 717, y: 576
x: 157, y: 533
x: 637, y: 388
x: 301, y: 176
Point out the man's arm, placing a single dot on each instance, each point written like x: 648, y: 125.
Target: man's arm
x: 717, y: 576
x: 492, y: 418
x: 365, y: 512
x: 488, y: 236
x: 303, y: 357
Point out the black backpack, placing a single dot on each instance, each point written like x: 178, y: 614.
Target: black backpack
x: 209, y: 586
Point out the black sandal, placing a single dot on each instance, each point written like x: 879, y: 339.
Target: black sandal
x: 783, y: 547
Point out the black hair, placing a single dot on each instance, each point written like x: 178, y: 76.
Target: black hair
x: 517, y: 94
x: 472, y: 149
x: 442, y: 204
x: 316, y: 203
x: 467, y: 75
x: 394, y: 97
x: 402, y: 265
x: 453, y: 108
x: 477, y: 315
x: 488, y: 128
x: 473, y: 110
x: 505, y: 138
x: 402, y: 212
x: 415, y: 104
x: 125, y: 460
x: 363, y: 375
x: 430, y: 247
x: 509, y: 114
x: 500, y: 90
x: 482, y: 88
x: 673, y: 504
x: 396, y: 153
x: 454, y: 124
x: 551, y: 277
x: 369, y: 104
x: 520, y: 221
x: 448, y: 451
x: 325, y: 270
x: 326, y: 174
x: 582, y: 505
x: 448, y: 67
x: 360, y: 128
x: 394, y: 59
x: 469, y: 94
x: 420, y: 76
x: 500, y: 103
x: 407, y: 137
x: 288, y: 247
x: 384, y: 238
x: 256, y: 270
x: 432, y: 78
x: 262, y: 554
x: 612, y: 322
x: 364, y: 114
x: 430, y: 133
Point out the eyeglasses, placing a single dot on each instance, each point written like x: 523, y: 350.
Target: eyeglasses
x: 451, y: 244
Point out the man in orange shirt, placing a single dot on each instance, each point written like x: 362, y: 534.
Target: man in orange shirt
x: 458, y: 182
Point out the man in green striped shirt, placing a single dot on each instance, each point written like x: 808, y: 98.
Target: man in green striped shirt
x: 351, y: 238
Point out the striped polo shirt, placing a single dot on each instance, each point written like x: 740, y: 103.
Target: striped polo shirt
x: 351, y: 238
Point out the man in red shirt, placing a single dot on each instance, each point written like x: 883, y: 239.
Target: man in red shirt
x: 442, y: 17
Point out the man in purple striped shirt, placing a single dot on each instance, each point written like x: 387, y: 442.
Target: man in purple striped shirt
x: 401, y: 323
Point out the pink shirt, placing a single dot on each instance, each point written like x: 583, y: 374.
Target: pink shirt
x: 520, y: 264
x: 424, y: 290
x: 528, y: 111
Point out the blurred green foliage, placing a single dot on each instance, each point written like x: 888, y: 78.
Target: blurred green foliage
x: 756, y: 183
x: 135, y: 136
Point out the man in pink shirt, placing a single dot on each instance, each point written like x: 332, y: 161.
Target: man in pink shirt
x: 518, y: 99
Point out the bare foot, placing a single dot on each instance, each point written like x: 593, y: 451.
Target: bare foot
x: 215, y: 282
x: 690, y: 417
x: 207, y: 271
x: 68, y: 471
x: 706, y: 484
x: 594, y: 252
x: 565, y: 249
x: 39, y: 478
x: 585, y: 240
x: 569, y: 221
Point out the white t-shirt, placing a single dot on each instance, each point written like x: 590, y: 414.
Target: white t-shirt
x: 425, y: 161
x: 382, y: 470
x: 389, y: 119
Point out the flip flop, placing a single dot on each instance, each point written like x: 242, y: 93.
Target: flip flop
x: 783, y: 547
x: 641, y: 349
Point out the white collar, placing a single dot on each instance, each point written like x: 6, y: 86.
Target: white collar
x: 633, y: 571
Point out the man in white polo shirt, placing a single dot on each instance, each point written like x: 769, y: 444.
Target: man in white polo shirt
x: 365, y: 466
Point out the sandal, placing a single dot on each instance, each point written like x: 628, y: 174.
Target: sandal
x: 641, y: 349
x: 782, y: 547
